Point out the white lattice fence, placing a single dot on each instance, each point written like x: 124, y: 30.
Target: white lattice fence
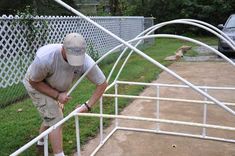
x: 16, y: 54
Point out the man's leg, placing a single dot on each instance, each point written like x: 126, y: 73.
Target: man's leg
x: 40, y: 143
x: 56, y: 140
x: 41, y: 130
x: 51, y: 113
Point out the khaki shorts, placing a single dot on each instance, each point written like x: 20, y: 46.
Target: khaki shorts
x: 47, y: 107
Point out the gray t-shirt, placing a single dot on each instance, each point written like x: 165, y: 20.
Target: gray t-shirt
x: 50, y: 67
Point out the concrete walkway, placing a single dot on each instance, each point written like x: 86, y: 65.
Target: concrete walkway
x: 129, y: 143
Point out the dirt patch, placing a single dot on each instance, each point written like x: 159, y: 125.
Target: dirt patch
x: 129, y: 143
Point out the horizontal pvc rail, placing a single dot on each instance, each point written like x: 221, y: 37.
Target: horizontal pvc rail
x: 157, y: 120
x: 173, y: 85
x: 165, y: 99
x: 176, y: 133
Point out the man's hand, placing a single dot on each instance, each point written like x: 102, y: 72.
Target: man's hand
x: 63, y: 98
x: 82, y: 109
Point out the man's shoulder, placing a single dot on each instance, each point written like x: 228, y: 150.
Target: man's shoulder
x: 47, y: 54
x: 48, y: 49
x: 89, y: 59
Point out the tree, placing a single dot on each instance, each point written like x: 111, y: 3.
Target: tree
x: 115, y: 8
x: 11, y: 7
x: 41, y: 7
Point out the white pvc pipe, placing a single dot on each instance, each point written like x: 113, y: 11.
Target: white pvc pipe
x: 174, y: 85
x: 137, y: 51
x: 144, y: 55
x: 204, y: 116
x: 182, y: 79
x: 158, y: 120
x: 179, y: 21
x: 171, y: 72
x: 26, y: 146
x: 165, y: 99
x: 195, y: 23
x: 176, y: 133
x: 148, y: 58
x: 109, y: 86
x: 185, y: 21
x: 158, y: 107
x: 105, y: 140
x: 46, y: 145
x: 213, y: 27
x: 116, y: 63
x: 101, y: 120
x: 174, y: 74
x: 77, y: 136
x: 116, y: 104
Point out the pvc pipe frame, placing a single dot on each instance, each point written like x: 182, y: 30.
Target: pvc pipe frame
x: 157, y: 120
x: 150, y: 59
x: 71, y: 114
x: 158, y: 131
x: 116, y: 116
x: 185, y: 21
x: 165, y: 99
x: 170, y: 72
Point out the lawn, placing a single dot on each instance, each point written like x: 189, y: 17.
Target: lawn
x: 18, y: 128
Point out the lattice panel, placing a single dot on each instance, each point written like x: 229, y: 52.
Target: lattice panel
x: 16, y: 53
x: 148, y: 22
x: 134, y: 23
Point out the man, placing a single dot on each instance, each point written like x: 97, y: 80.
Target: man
x: 49, y: 77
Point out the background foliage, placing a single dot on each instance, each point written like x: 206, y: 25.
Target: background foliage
x: 40, y: 7
x: 212, y: 11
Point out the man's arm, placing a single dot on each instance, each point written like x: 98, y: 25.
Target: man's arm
x: 95, y: 96
x: 49, y: 91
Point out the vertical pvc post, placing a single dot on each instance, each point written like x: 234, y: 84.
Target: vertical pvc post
x: 116, y: 104
x: 204, y: 115
x: 101, y: 120
x: 158, y: 107
x: 45, y: 145
x: 77, y: 135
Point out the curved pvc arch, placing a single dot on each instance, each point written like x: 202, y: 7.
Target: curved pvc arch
x: 178, y: 21
x: 212, y: 27
x: 143, y: 55
x: 163, y: 67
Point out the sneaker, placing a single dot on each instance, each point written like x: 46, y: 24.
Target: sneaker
x: 39, y: 150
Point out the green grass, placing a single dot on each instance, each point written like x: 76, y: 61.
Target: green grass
x: 15, y: 92
x: 206, y: 40
x: 12, y: 94
x: 18, y: 128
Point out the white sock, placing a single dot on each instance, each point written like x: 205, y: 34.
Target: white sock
x: 40, y: 143
x: 59, y: 154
